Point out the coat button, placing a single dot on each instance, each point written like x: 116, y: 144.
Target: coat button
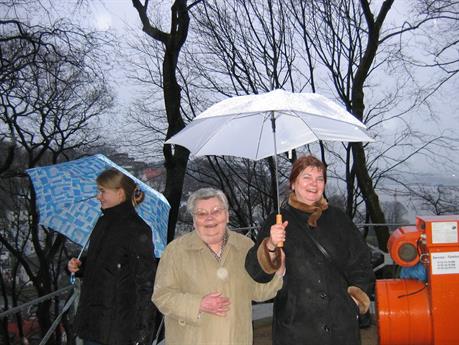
x: 323, y: 295
x: 181, y: 322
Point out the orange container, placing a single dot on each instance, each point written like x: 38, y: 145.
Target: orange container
x: 403, y: 312
x: 402, y: 246
x: 442, y: 242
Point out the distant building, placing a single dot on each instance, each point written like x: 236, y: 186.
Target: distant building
x: 152, y: 174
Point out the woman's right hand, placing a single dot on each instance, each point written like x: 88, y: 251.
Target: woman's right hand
x: 277, y: 234
x: 73, y: 265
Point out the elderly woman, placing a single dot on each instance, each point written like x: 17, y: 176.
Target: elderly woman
x: 328, y: 270
x: 201, y: 285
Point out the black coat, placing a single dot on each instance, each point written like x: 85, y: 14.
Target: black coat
x: 313, y: 307
x: 118, y: 273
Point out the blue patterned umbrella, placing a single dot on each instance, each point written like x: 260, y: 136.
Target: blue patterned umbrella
x: 66, y: 199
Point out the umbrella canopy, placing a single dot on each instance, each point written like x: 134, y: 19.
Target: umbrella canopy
x: 263, y: 125
x: 242, y: 126
x: 66, y: 199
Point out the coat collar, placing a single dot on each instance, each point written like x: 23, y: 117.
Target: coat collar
x: 315, y: 210
x: 120, y: 210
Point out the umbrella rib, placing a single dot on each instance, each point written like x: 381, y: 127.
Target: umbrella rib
x: 259, y: 136
x: 307, y: 125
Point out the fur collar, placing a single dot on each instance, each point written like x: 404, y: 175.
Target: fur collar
x: 315, y: 210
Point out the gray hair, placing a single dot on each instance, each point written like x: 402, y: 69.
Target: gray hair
x: 204, y: 194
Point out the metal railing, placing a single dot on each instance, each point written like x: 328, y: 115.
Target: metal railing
x: 73, y: 298
x: 26, y: 306
x: 57, y: 320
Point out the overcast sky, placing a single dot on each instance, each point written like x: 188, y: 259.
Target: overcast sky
x: 121, y: 17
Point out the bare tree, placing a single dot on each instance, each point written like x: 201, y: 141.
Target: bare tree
x: 441, y: 41
x: 440, y: 201
x: 52, y: 96
x: 347, y: 39
x: 344, y: 52
x: 436, y: 200
x: 344, y: 49
x: 395, y: 212
x: 242, y: 47
x: 344, y: 37
x: 175, y: 159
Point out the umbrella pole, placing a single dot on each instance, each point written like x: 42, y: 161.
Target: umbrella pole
x: 72, y: 275
x: 278, y: 215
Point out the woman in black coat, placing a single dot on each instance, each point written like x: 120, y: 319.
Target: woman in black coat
x: 118, y: 272
x: 321, y: 298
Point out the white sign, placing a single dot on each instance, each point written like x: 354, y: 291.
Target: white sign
x: 445, y: 263
x: 444, y: 232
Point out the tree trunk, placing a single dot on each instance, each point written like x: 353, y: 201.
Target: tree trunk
x: 175, y: 173
x: 175, y: 160
x: 359, y: 164
x: 371, y: 198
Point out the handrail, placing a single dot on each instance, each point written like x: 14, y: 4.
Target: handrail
x: 58, y: 318
x: 35, y: 301
x: 382, y: 224
x: 359, y: 225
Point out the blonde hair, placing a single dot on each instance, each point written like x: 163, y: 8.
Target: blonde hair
x: 115, y: 179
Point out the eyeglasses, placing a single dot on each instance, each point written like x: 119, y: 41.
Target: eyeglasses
x: 203, y: 214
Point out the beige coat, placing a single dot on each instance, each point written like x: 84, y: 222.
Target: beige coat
x: 188, y: 271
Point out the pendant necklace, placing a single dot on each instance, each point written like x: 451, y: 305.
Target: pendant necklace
x: 222, y: 272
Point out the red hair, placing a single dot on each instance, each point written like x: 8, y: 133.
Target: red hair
x: 302, y: 163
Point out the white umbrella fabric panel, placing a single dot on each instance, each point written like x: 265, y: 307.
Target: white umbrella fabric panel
x: 241, y: 126
x: 66, y: 199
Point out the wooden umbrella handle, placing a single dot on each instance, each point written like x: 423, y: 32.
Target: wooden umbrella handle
x: 279, y: 221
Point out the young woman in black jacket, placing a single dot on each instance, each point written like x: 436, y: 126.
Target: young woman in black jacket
x: 118, y: 271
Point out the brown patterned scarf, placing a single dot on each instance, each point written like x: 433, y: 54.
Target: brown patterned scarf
x: 315, y: 210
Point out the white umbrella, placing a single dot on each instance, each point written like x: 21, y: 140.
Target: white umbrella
x: 263, y: 125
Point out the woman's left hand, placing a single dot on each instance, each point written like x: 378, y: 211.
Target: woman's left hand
x: 215, y: 303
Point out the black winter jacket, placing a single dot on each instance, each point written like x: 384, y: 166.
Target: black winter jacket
x: 118, y: 273
x: 313, y: 307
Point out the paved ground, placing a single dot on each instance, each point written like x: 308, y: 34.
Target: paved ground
x: 262, y: 327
